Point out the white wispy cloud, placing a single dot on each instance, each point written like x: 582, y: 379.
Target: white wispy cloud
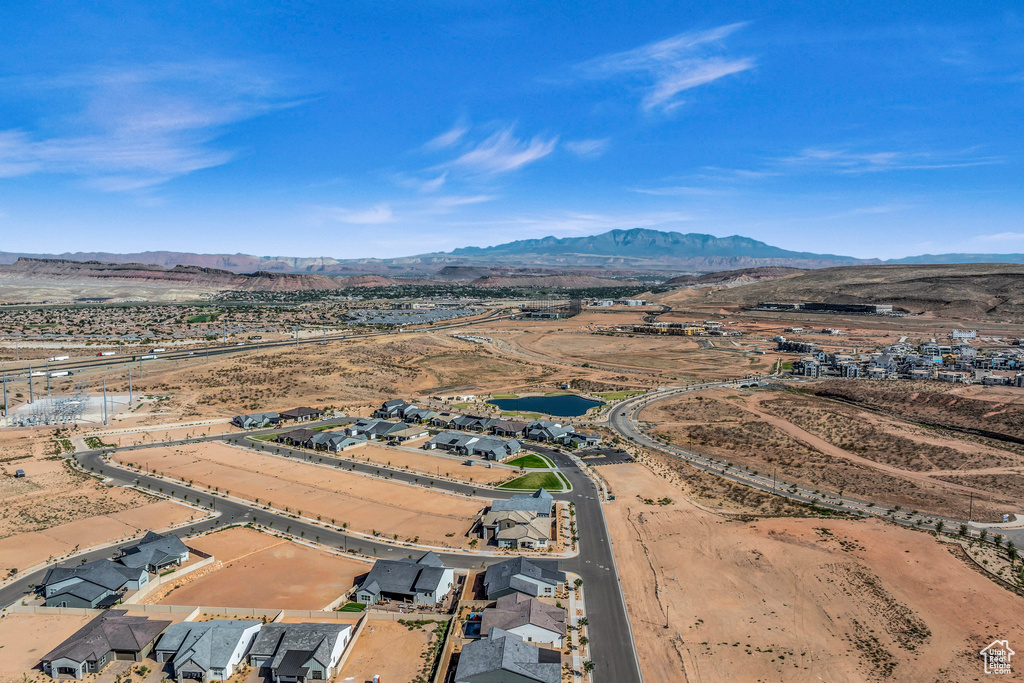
x: 502, y: 152
x: 843, y: 160
x: 455, y: 201
x: 672, y: 66
x: 678, y: 191
x: 378, y: 214
x: 448, y: 138
x: 141, y: 126
x: 587, y: 149
x: 1001, y: 237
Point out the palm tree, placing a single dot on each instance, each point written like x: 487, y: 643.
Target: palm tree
x: 1011, y: 551
x: 963, y: 529
x: 938, y: 526
x: 588, y: 666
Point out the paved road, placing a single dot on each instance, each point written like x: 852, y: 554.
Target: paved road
x: 113, y: 362
x: 611, y: 650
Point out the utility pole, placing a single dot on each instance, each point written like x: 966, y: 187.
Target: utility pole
x: 47, y: 376
x: 296, y: 336
x: 130, y: 402
x: 105, y: 402
x: 31, y: 396
x: 7, y: 408
x: 970, y: 514
x: 225, y: 330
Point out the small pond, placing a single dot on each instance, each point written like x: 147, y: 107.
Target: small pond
x: 564, y: 405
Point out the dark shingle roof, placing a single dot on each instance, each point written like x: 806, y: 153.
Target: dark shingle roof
x: 109, y: 631
x: 504, y: 575
x: 501, y: 651
x: 105, y: 573
x: 406, y: 576
x: 515, y: 610
x: 153, y: 549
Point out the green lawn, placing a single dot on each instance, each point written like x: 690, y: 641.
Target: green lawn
x: 529, y: 416
x: 204, y: 318
x: 352, y: 607
x: 559, y: 393
x: 532, y: 461
x: 504, y: 396
x: 787, y: 366
x: 263, y: 437
x: 618, y: 395
x: 535, y: 480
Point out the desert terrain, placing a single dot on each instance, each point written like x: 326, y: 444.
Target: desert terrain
x: 714, y: 598
x: 255, y: 569
x: 836, y: 447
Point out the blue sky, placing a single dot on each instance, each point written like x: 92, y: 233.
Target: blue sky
x: 354, y: 129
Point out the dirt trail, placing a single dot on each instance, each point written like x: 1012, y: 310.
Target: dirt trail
x: 819, y: 444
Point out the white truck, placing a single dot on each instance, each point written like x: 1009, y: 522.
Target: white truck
x: 59, y: 358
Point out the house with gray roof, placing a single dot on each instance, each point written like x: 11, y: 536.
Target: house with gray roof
x: 205, y: 650
x: 474, y: 423
x: 255, y: 420
x: 419, y: 415
x: 334, y: 442
x: 296, y: 437
x: 394, y: 408
x: 155, y: 552
x: 423, y: 582
x: 504, y: 657
x: 100, y: 583
x: 297, y: 653
x: 493, y: 448
x: 452, y: 441
x: 512, y: 428
x: 528, y: 618
x: 302, y: 414
x: 540, y: 503
x: 111, y: 635
x: 548, y: 431
x: 536, y: 578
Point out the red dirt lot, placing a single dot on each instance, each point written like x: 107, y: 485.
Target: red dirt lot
x: 791, y: 599
x: 259, y: 570
x: 24, y: 638
x: 388, y: 649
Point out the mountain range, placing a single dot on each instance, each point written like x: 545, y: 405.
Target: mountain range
x: 613, y: 253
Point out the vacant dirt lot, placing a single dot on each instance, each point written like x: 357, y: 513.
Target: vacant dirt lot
x: 24, y: 638
x: 258, y: 570
x: 789, y: 599
x: 366, y: 504
x: 26, y: 550
x: 388, y: 649
x: 433, y: 464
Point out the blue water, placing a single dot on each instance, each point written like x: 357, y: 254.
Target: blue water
x: 568, y: 405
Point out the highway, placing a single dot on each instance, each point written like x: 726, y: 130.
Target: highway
x: 20, y: 370
x: 611, y: 650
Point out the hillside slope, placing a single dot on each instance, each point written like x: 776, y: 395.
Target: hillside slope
x: 994, y: 291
